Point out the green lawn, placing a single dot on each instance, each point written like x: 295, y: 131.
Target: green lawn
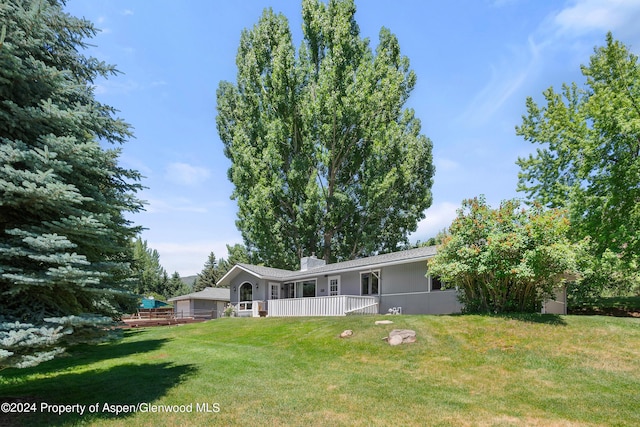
x: 464, y: 370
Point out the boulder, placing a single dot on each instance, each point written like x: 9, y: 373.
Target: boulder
x: 395, y: 340
x: 402, y: 336
x: 384, y: 322
x: 346, y: 334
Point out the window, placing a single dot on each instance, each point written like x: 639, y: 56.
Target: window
x: 288, y: 290
x: 303, y: 289
x: 369, y: 283
x: 246, y: 296
x: 436, y: 284
x: 306, y: 289
x: 275, y: 290
x: 334, y: 286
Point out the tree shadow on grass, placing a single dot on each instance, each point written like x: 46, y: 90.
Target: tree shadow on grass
x: 86, y: 354
x: 548, y: 319
x: 116, y: 384
x: 126, y: 384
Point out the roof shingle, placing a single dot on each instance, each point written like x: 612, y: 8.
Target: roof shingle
x: 373, y: 261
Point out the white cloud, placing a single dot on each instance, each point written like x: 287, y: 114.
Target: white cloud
x: 598, y: 15
x: 438, y: 216
x: 186, y: 174
x: 127, y: 12
x: 561, y: 33
x: 507, y: 77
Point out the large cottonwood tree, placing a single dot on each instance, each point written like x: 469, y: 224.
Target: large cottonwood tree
x: 325, y: 157
x: 588, y: 158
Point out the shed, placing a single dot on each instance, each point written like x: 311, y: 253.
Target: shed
x: 209, y: 303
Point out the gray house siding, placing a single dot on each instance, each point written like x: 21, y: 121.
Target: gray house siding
x: 436, y: 302
x: 402, y: 283
x: 259, y: 293
x: 199, y: 308
x: 405, y: 286
x: 405, y: 278
x: 206, y: 308
x: 350, y: 283
x: 183, y: 308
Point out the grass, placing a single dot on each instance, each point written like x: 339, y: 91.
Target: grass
x: 533, y: 370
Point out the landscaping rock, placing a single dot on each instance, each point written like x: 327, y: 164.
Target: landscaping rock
x: 346, y: 334
x: 384, y: 322
x: 402, y: 336
x: 395, y: 340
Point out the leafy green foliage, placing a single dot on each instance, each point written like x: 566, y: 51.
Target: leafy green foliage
x: 507, y: 259
x: 64, y: 239
x: 325, y: 158
x: 603, y: 276
x: 589, y: 159
x: 149, y: 276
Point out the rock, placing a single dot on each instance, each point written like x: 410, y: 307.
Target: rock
x: 395, y: 340
x: 346, y: 334
x: 409, y: 340
x: 401, y: 336
x: 384, y: 322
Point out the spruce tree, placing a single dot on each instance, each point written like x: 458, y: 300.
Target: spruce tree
x: 176, y: 287
x: 209, y: 274
x: 149, y: 275
x: 64, y: 239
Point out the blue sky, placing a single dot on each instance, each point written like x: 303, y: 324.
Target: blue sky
x: 476, y: 62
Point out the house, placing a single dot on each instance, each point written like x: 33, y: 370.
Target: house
x: 208, y: 303
x: 396, y: 282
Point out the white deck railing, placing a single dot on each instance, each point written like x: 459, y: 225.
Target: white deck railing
x: 339, y: 305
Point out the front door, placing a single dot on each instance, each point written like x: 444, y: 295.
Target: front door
x: 334, y: 286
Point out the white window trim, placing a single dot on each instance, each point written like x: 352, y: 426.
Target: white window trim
x: 299, y: 285
x: 375, y: 273
x: 242, y: 304
x: 329, y: 285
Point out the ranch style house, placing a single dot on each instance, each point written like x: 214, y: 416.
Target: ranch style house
x: 396, y: 282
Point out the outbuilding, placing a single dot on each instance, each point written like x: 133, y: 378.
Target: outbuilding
x: 208, y: 303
